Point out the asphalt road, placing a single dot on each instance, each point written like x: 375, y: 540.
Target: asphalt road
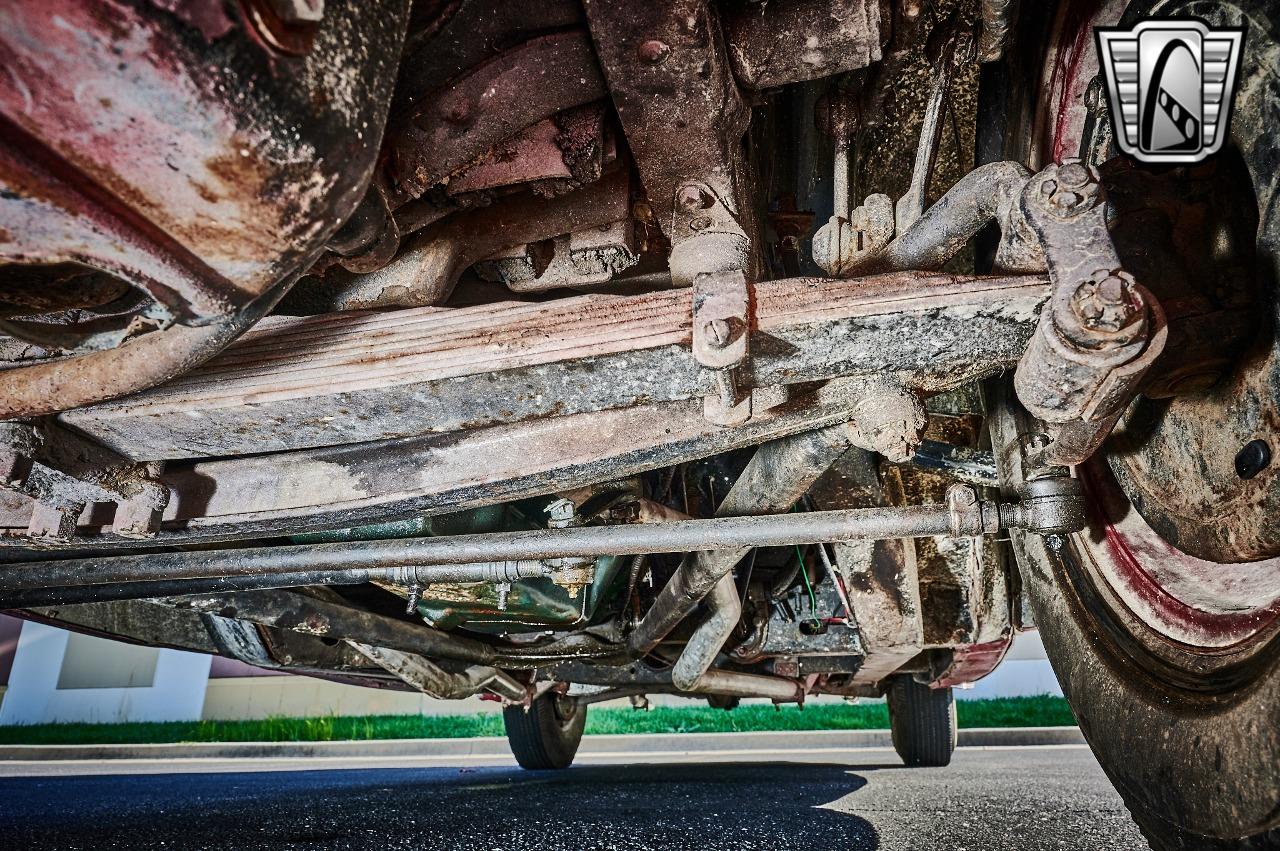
x: 1024, y: 798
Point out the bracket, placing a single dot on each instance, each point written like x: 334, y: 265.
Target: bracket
x: 1100, y: 331
x: 721, y: 328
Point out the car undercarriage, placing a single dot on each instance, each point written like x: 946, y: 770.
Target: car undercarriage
x: 565, y: 351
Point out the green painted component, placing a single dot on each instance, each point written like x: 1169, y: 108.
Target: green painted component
x: 532, y: 606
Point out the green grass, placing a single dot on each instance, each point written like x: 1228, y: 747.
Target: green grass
x: 1003, y: 712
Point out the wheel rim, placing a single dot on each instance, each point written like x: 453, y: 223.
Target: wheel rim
x: 566, y: 711
x: 1195, y: 615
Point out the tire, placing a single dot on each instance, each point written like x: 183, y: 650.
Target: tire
x: 1190, y: 739
x: 546, y: 735
x: 922, y: 721
x: 1177, y: 693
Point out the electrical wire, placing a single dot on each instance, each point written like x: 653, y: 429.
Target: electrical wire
x: 804, y: 573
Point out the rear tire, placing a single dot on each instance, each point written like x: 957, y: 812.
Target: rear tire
x: 922, y: 721
x: 546, y: 735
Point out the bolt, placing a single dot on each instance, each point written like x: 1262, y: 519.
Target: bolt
x: 693, y: 197
x: 1252, y: 459
x: 1065, y: 202
x: 1073, y: 174
x: 700, y: 223
x: 561, y: 513
x: 1109, y: 302
x: 963, y: 512
x: 718, y: 332
x: 1073, y: 188
x: 653, y: 52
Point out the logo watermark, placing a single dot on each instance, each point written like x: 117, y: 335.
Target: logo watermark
x: 1170, y: 84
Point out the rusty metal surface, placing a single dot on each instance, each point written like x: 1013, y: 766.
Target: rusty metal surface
x: 999, y: 19
x: 778, y: 475
x: 866, y: 239
x: 294, y: 383
x: 949, y: 49
x: 428, y: 268
x: 1195, y: 237
x: 142, y: 622
x: 1101, y: 331
x: 432, y: 680
x: 583, y: 259
x: 339, y: 487
x: 63, y: 473
x: 771, y: 44
x: 170, y: 157
x: 319, y: 617
x: 461, y: 122
x: 197, y: 166
x: 459, y: 554
x: 450, y: 37
x: 884, y: 592
x: 971, y: 662
x: 669, y: 76
x: 964, y: 585
x: 989, y: 193
x: 47, y: 387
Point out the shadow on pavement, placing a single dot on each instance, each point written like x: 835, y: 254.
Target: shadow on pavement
x: 724, y: 805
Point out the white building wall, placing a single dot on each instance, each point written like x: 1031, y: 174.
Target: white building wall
x: 107, y: 681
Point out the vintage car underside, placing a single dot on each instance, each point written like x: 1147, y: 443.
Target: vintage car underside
x: 593, y: 349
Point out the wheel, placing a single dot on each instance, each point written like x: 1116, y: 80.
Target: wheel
x: 719, y: 701
x: 1162, y: 618
x: 546, y: 734
x: 922, y: 721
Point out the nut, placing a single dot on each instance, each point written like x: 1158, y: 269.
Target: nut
x: 691, y: 196
x: 1109, y: 302
x: 653, y: 51
x: 561, y: 513
x: 719, y: 332
x: 965, y: 515
x: 1071, y: 188
x: 1074, y: 175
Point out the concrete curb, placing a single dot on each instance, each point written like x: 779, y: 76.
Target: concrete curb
x: 495, y: 746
